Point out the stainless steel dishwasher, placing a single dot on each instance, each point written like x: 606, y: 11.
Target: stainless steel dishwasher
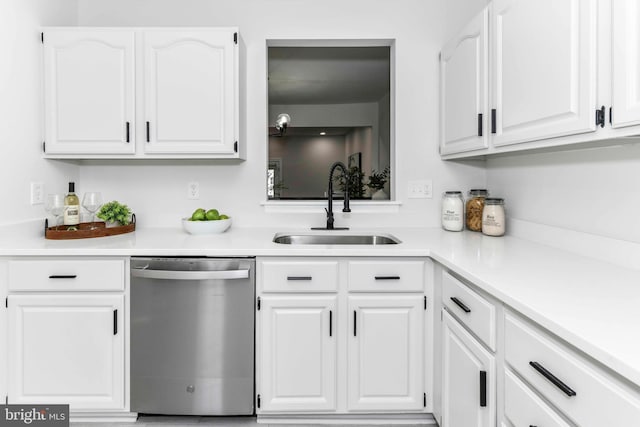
x: 192, y: 335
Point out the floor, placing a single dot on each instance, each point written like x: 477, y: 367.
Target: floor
x: 168, y: 421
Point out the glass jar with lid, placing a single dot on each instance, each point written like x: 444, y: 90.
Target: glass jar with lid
x: 493, y: 218
x: 452, y: 211
x: 473, y: 210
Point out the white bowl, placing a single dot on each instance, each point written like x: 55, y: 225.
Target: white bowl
x: 206, y: 227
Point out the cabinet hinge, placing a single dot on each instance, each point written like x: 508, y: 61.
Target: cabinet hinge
x: 258, y: 304
x: 235, y: 146
x: 44, y: 147
x: 425, y: 302
x: 600, y: 117
x: 42, y: 38
x: 235, y: 38
x: 424, y: 400
x: 258, y: 401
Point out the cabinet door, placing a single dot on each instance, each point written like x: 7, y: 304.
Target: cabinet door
x: 468, y: 379
x: 463, y: 89
x: 385, y: 350
x: 89, y: 92
x: 298, y: 353
x: 543, y: 69
x: 67, y: 349
x: 626, y: 63
x: 190, y: 91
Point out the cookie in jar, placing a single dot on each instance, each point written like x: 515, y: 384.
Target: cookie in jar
x: 474, y: 207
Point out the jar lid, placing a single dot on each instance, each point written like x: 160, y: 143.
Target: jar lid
x: 478, y: 191
x: 453, y: 193
x: 493, y: 201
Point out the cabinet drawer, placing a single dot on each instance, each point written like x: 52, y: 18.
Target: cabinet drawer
x: 66, y: 275
x: 386, y: 276
x: 523, y: 407
x: 298, y: 276
x: 571, y: 383
x: 473, y: 310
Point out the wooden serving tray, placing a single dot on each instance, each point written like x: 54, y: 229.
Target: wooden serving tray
x: 84, y: 231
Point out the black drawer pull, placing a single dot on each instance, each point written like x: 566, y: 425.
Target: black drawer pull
x: 553, y: 379
x: 115, y: 322
x: 148, y: 133
x: 483, y: 389
x: 128, y: 138
x: 299, y: 278
x: 387, y: 277
x: 461, y: 305
x: 63, y: 276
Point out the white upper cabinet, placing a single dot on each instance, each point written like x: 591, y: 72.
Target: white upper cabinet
x: 626, y: 63
x: 190, y: 96
x: 463, y: 89
x: 543, y: 69
x: 89, y: 92
x: 141, y: 93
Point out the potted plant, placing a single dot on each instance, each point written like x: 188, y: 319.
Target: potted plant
x: 114, y: 214
x: 377, y: 181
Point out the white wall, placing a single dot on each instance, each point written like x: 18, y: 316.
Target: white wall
x: 591, y: 191
x: 305, y: 163
x: 21, y: 106
x: 157, y: 191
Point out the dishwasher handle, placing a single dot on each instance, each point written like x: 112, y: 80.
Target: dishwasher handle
x: 189, y: 275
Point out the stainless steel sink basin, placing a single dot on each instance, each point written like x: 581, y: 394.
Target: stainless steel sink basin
x: 336, y: 239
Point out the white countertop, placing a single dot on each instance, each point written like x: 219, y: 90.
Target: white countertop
x: 591, y: 304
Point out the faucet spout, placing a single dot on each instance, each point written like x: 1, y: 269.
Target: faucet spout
x: 329, y: 208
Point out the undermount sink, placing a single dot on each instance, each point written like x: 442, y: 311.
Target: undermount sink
x: 335, y: 239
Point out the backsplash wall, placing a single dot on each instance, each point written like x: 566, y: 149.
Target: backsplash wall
x: 590, y: 190
x: 157, y: 190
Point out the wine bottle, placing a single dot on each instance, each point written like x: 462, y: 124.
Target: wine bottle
x: 71, y: 208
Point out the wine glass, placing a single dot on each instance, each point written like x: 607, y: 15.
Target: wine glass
x: 55, y: 206
x: 92, y: 201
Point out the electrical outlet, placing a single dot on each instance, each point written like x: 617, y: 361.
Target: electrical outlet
x: 37, y: 193
x: 421, y: 189
x: 193, y: 190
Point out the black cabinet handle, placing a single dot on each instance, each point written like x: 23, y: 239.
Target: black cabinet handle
x: 354, y: 322
x: 63, y: 276
x: 330, y: 323
x: 387, y: 277
x: 553, y: 379
x: 128, y: 124
x: 483, y: 389
x: 479, y: 124
x: 148, y: 133
x: 299, y: 278
x: 493, y: 120
x: 461, y: 305
x: 115, y: 322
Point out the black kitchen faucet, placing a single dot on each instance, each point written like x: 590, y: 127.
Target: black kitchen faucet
x: 329, y: 210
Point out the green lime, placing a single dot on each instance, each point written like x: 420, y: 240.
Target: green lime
x: 224, y: 216
x: 212, y: 215
x: 198, y: 216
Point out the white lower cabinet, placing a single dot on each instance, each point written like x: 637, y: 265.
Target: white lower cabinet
x: 332, y: 340
x: 468, y: 378
x: 67, y: 349
x: 385, y: 353
x: 298, y: 353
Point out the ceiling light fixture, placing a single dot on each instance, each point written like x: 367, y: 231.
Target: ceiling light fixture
x: 282, y: 122
x: 323, y: 133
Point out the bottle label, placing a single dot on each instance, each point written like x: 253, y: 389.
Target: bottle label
x: 71, y: 215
